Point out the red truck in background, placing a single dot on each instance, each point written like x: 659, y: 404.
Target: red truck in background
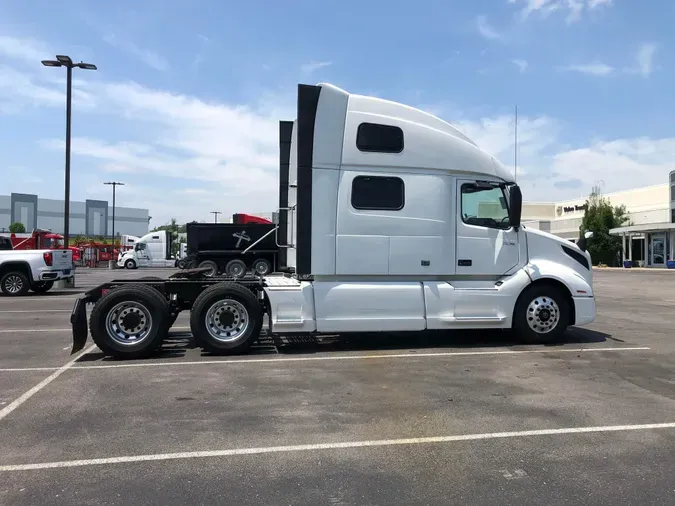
x: 41, y: 239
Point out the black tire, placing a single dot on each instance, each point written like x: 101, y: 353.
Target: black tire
x: 14, y: 284
x: 144, y: 296
x: 210, y: 264
x: 181, y: 263
x: 537, y: 308
x: 129, y: 264
x: 236, y: 269
x: 42, y: 286
x: 261, y: 267
x: 246, y: 323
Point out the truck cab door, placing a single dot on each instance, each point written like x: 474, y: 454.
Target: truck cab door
x: 487, y: 244
x: 142, y: 253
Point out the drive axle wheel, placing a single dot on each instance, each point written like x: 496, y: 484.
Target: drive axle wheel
x: 542, y: 314
x: 130, y: 321
x: 226, y: 319
x: 14, y: 283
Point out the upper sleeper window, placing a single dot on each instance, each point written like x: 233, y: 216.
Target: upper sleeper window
x: 380, y: 193
x: 379, y: 138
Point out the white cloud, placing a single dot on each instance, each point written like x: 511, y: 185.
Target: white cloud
x: 521, y: 64
x: 593, y: 69
x: 573, y: 8
x: 309, y: 68
x: 486, y: 29
x: 148, y: 57
x: 550, y: 170
x: 25, y: 49
x: 592, y: 4
x: 644, y: 60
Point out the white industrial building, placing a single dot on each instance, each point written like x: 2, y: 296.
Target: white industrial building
x: 91, y: 217
x: 649, y: 236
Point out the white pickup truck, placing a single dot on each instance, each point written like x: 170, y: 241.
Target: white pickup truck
x: 36, y: 270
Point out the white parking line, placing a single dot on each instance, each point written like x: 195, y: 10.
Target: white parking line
x: 40, y: 310
x: 30, y: 393
x: 10, y: 331
x: 38, y: 299
x: 382, y: 356
x: 334, y: 446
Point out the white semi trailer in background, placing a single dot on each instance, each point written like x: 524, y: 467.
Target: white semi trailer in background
x: 390, y: 220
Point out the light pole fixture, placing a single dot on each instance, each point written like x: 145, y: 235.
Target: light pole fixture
x: 65, y: 61
x: 114, y: 184
x: 215, y: 216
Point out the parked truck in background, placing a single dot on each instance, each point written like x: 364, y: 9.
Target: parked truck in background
x: 392, y: 220
x: 233, y: 249
x: 151, y: 250
x: 22, y: 270
x: 40, y: 239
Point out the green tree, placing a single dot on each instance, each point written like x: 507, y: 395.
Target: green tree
x: 17, y: 228
x: 600, y: 217
x: 174, y: 229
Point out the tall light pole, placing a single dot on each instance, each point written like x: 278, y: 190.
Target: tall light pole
x: 65, y: 61
x: 215, y: 216
x: 114, y: 184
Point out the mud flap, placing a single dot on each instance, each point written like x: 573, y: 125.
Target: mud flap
x: 78, y: 320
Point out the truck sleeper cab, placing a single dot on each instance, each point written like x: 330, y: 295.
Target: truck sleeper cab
x: 390, y: 220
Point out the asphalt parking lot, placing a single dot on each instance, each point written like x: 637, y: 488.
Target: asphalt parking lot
x: 470, y: 417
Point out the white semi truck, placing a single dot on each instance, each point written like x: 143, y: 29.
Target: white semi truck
x: 151, y: 250
x: 390, y: 220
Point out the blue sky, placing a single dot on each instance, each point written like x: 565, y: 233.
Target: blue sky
x: 185, y: 104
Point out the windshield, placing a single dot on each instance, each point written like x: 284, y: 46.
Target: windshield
x: 52, y: 243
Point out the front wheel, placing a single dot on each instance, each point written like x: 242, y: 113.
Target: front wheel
x: 226, y: 319
x: 130, y: 264
x: 542, y: 314
x: 181, y: 263
x: 42, y: 286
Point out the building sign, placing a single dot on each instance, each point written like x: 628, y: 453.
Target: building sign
x: 570, y: 209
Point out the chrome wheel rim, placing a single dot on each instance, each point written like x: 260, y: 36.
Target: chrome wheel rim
x: 211, y: 271
x: 13, y: 284
x: 543, y: 315
x: 128, y: 323
x: 236, y: 270
x: 227, y: 320
x: 261, y: 268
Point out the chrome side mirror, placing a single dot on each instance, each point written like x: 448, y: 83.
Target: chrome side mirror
x: 588, y: 234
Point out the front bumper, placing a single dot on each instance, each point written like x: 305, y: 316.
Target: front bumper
x: 584, y: 309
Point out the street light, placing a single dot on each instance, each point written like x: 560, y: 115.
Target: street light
x: 215, y: 216
x: 114, y: 184
x: 65, y: 61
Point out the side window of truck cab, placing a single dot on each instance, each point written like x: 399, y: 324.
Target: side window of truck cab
x: 485, y: 206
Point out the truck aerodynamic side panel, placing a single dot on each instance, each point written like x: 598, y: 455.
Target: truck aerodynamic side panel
x: 308, y: 100
x: 285, y: 134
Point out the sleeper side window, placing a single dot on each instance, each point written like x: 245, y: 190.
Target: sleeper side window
x: 485, y: 207
x: 379, y: 138
x: 383, y: 193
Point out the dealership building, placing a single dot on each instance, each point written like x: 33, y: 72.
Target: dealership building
x: 648, y: 238
x: 90, y: 218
